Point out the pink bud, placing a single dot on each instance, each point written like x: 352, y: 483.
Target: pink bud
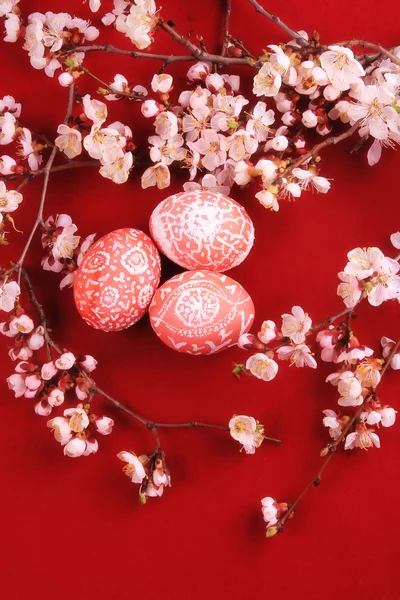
x: 65, y: 79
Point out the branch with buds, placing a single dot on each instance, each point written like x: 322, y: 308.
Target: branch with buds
x: 301, y: 90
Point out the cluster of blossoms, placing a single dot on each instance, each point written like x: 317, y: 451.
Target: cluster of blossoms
x: 210, y: 133
x: 148, y: 471
x: 52, y: 381
x: 111, y: 145
x: 20, y: 329
x: 138, y: 20
x: 272, y: 511
x: 212, y: 130
x: 369, y: 273
x: 64, y: 250
x: 289, y: 345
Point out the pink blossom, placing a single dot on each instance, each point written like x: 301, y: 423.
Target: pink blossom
x: 166, y: 124
x: 332, y: 421
x: 158, y: 175
x: 8, y: 294
x: 95, y: 110
x: 166, y: 151
x: 350, y: 390
x: 349, y: 290
x: 22, y: 324
x: 341, y: 67
x: 75, y: 447
x: 299, y: 355
x: 161, y: 83
x: 309, y: 119
x: 199, y: 71
x: 88, y: 363
x: 118, y: 170
x: 296, y: 325
x: 134, y: 468
x: 395, y: 239
x: 69, y: 141
x: 387, y: 345
x: 56, y: 397
x: 7, y: 165
x: 267, y: 82
x: 362, y: 438
x: 104, y: 425
x: 65, y: 361
x: 28, y: 149
x: 48, y: 371
x: 212, y: 146
x: 268, y: 200
x: 258, y: 125
x: 368, y: 372
x: 16, y: 383
x: 269, y: 510
x: 13, y: 26
x: 247, y: 431
x: 363, y: 262
x: 262, y: 367
x: 7, y: 128
x: 268, y: 332
x: 149, y: 108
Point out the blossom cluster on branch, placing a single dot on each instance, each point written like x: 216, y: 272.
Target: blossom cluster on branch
x: 305, y: 97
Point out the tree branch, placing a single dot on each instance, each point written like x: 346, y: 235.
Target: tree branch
x: 46, y: 173
x: 316, y: 480
x: 293, y: 34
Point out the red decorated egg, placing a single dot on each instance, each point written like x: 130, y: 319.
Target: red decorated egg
x: 201, y: 312
x: 117, y: 279
x: 202, y: 230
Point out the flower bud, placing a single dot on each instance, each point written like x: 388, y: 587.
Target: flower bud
x: 271, y: 531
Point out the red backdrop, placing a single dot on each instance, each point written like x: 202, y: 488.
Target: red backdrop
x: 71, y: 528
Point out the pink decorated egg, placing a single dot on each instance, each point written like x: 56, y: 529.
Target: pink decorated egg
x: 202, y: 230
x: 117, y: 279
x: 201, y: 312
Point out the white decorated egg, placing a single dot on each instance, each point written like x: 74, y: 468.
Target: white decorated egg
x: 117, y: 279
x: 202, y: 230
x: 201, y: 312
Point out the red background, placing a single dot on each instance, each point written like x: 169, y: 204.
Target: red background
x: 71, y: 528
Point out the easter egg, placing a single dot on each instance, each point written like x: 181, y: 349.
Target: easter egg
x: 202, y: 230
x: 201, y: 312
x: 116, y: 280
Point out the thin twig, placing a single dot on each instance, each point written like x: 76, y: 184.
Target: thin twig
x: 46, y: 173
x: 39, y: 309
x: 294, y: 34
x: 316, y: 480
x: 165, y: 58
x: 227, y: 15
x: 364, y: 44
x: 315, y: 150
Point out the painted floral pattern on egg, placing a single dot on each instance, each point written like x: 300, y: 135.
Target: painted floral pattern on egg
x: 202, y: 230
x: 201, y: 312
x: 117, y: 279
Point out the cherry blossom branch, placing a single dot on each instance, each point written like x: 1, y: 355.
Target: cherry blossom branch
x: 105, y: 85
x: 315, y: 150
x: 294, y: 34
x: 316, y: 480
x: 29, y: 175
x: 40, y: 312
x: 46, y: 173
x: 155, y: 424
x: 165, y: 58
x: 228, y: 9
x: 364, y: 44
x: 94, y: 389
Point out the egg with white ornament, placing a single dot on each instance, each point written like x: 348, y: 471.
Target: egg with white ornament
x: 201, y: 312
x: 202, y: 230
x: 116, y: 280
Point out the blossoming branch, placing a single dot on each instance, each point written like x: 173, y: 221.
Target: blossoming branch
x: 306, y: 97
